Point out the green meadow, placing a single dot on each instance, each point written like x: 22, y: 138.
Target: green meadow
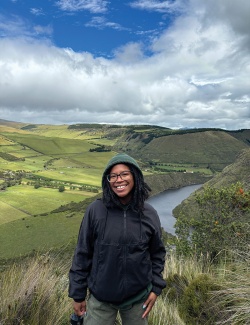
x: 26, y: 219
x: 41, y: 233
x: 9, y: 213
x: 32, y: 201
x: 50, y: 156
x: 39, y: 224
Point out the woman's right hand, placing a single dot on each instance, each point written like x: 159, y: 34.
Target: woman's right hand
x: 79, y: 308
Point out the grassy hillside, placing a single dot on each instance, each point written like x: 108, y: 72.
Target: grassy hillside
x: 206, y: 148
x: 34, y: 216
x: 73, y: 156
x: 212, y: 149
x: 239, y: 171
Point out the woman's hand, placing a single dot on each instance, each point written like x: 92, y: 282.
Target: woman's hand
x: 149, y: 303
x: 79, y: 308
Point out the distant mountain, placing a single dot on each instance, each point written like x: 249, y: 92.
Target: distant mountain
x: 210, y: 148
x: 12, y: 123
x: 213, y: 149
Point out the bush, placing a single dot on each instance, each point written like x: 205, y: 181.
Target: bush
x: 176, y: 285
x: 222, y: 222
x: 61, y: 188
x: 194, y: 306
x: 37, y: 185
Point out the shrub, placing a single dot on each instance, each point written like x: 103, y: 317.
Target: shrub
x: 176, y: 285
x: 61, y: 188
x: 222, y: 222
x: 37, y: 185
x: 195, y: 307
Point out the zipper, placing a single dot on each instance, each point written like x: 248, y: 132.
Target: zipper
x: 124, y: 226
x: 125, y: 249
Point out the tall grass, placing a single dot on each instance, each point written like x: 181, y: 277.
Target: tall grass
x: 35, y: 292
x: 233, y: 300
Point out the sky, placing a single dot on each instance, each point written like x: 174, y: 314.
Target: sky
x: 175, y: 63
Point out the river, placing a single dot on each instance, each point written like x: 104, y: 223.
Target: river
x: 165, y: 202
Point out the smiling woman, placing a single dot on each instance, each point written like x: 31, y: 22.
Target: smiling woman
x: 119, y: 256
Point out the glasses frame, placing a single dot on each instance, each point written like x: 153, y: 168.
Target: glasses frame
x: 119, y: 175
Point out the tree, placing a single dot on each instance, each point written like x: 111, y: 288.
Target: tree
x: 61, y: 188
x: 222, y: 222
x: 37, y: 185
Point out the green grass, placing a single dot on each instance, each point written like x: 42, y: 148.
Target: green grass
x: 211, y: 147
x: 4, y: 141
x: 52, y: 146
x: 32, y: 201
x: 10, y: 148
x: 87, y: 176
x: 41, y: 233
x: 21, y: 233
x: 189, y: 168
x: 9, y: 213
x: 30, y: 164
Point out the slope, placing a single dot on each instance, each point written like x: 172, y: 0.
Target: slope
x: 239, y: 171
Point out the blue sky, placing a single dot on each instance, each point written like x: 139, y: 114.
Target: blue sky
x: 94, y: 26
x: 178, y: 63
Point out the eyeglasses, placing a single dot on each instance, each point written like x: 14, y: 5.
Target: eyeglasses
x: 123, y: 175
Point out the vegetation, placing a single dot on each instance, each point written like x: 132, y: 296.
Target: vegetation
x: 48, y: 176
x: 198, y: 292
x: 35, y: 292
x: 221, y: 224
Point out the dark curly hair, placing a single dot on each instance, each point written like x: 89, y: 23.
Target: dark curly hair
x: 140, y: 192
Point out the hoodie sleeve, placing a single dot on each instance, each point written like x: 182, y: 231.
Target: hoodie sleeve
x: 82, y: 260
x: 157, y: 254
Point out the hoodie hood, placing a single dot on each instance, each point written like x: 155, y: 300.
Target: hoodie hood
x: 120, y: 158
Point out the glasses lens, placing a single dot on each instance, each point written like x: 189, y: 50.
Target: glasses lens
x: 112, y: 177
x: 123, y: 175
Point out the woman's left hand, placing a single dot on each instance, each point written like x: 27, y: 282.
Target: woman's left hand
x: 149, y: 303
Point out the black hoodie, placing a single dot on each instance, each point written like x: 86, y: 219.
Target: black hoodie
x: 118, y: 254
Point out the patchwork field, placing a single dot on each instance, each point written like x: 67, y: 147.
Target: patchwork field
x: 36, y: 160
x: 25, y: 201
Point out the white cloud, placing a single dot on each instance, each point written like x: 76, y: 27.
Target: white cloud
x: 94, y: 6
x: 14, y: 26
x: 101, y: 22
x: 43, y: 30
x: 157, y: 5
x: 37, y: 11
x: 129, y: 54
x: 197, y: 76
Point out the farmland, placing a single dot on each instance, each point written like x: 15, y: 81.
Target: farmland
x: 37, y: 160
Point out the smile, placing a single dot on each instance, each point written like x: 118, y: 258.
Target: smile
x: 120, y: 186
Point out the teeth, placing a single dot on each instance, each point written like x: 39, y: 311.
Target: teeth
x: 120, y: 186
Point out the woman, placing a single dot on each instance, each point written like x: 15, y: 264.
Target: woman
x: 119, y: 255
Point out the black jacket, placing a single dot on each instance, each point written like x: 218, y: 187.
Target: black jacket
x: 118, y: 254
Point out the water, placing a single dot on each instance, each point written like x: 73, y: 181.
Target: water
x: 165, y: 202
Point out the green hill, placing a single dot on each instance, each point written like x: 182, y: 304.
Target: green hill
x: 36, y: 159
x: 239, y: 171
x: 193, y: 148
x: 213, y: 149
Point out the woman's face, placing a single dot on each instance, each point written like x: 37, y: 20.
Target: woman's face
x: 123, y: 184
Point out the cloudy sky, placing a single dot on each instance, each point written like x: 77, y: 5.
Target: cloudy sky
x: 175, y: 63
